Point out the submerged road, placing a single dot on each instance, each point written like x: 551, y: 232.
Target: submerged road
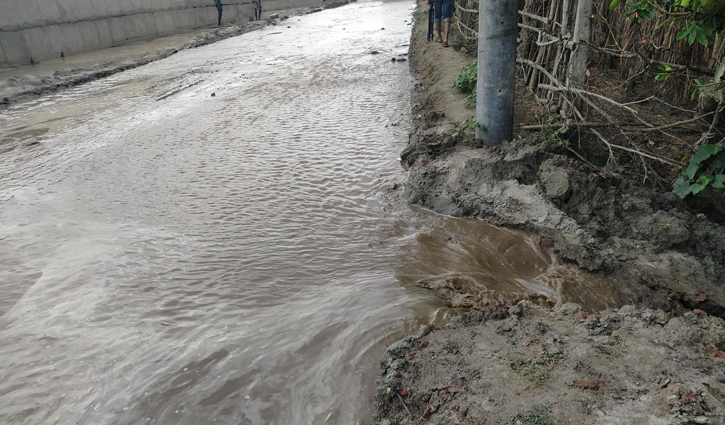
x: 218, y: 237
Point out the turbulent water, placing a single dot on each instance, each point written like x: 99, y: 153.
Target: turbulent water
x: 217, y: 237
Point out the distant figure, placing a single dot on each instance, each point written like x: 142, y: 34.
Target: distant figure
x: 257, y: 9
x: 220, y: 8
x: 444, y: 8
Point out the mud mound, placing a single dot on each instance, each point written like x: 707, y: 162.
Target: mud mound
x: 527, y: 364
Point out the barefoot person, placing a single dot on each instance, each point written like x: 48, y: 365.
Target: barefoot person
x: 443, y: 9
x: 220, y: 9
x: 257, y: 9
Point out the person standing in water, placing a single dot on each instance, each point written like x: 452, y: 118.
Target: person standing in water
x: 220, y: 9
x: 257, y: 9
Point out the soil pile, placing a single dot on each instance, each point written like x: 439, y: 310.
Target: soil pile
x: 530, y: 365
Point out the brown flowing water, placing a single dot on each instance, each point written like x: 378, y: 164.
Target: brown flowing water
x: 218, y: 237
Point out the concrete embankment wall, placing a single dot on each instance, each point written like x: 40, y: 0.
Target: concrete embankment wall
x: 36, y: 30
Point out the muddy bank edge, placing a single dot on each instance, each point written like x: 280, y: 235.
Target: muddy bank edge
x: 518, y: 363
x: 600, y: 221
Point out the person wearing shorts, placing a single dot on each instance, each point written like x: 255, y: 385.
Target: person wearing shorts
x: 443, y: 10
x: 257, y: 9
x: 220, y: 9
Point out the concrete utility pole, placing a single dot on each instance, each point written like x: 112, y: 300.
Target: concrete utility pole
x: 582, y: 37
x: 497, y: 30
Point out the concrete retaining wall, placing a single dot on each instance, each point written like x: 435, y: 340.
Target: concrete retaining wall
x: 36, y: 30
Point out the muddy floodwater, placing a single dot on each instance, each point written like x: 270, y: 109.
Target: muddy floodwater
x: 218, y: 237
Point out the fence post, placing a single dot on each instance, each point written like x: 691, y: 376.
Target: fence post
x: 497, y: 30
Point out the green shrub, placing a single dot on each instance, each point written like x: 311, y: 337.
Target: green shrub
x: 705, y: 172
x: 467, y: 80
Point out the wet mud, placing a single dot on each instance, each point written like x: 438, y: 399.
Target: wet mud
x: 220, y: 237
x: 600, y: 221
x: 648, y: 349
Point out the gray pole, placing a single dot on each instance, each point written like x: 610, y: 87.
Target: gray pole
x: 497, y: 30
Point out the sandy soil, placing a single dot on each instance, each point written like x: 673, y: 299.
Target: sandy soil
x: 530, y: 365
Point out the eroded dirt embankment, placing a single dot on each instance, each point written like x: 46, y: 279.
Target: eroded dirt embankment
x: 658, y: 360
x: 599, y: 220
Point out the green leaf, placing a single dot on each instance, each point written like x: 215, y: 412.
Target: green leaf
x: 704, y: 180
x: 716, y: 163
x: 696, y: 188
x: 681, y: 188
x: 692, y: 96
x: 721, y: 156
x: 614, y: 4
x: 719, y: 182
x: 701, y: 155
x: 717, y: 95
x: 704, y: 193
x: 691, y: 171
x: 647, y: 14
x: 682, y: 34
x: 691, y: 38
x: 713, y: 149
x: 702, y: 38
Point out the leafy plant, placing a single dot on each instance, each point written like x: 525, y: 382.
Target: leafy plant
x: 417, y: 16
x: 664, y: 73
x: 468, y: 130
x: 706, y: 171
x: 694, y: 31
x: 554, y: 134
x: 468, y: 77
x: 467, y: 80
x: 717, y: 86
x: 697, y: 20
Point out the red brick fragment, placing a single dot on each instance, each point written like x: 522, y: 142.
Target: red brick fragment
x: 588, y: 384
